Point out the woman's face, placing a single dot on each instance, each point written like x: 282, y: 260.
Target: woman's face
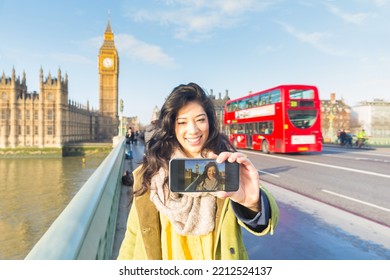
x: 211, y: 172
x: 192, y: 128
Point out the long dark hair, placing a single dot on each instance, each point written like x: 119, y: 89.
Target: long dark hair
x: 161, y: 147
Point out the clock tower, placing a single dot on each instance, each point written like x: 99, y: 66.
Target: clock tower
x: 108, y: 64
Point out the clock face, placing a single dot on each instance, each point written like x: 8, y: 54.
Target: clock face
x: 107, y: 62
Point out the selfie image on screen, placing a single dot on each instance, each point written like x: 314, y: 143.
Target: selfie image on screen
x: 204, y: 176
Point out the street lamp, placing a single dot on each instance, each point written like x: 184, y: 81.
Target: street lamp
x: 121, y: 118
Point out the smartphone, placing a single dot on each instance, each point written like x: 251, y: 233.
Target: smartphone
x: 202, y: 175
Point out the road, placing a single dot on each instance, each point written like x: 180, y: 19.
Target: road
x: 334, y: 205
x: 357, y: 181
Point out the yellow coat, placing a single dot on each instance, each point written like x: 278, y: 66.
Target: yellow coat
x: 142, y: 239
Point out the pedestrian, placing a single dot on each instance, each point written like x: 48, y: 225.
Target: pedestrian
x: 136, y: 135
x: 149, y: 131
x: 338, y: 135
x: 343, y: 137
x: 129, y: 132
x: 206, y: 225
x: 129, y: 142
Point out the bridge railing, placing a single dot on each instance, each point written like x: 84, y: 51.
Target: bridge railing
x: 86, y: 227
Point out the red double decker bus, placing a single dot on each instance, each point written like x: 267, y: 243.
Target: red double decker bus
x: 283, y: 119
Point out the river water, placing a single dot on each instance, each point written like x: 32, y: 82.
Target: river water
x: 33, y: 192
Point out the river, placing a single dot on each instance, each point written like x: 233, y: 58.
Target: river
x: 33, y: 192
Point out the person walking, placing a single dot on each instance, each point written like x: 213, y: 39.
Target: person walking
x: 129, y: 142
x: 149, y: 131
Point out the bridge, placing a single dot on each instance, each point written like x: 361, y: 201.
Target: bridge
x: 93, y: 224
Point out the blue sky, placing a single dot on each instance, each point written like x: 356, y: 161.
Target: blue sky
x: 235, y: 45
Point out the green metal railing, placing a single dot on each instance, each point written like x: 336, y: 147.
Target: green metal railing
x: 86, y: 227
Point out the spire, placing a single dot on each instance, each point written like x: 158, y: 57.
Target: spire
x: 108, y: 28
x: 108, y: 34
x: 108, y: 42
x: 24, y: 78
x: 41, y: 77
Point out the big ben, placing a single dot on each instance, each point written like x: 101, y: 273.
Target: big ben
x: 108, y: 63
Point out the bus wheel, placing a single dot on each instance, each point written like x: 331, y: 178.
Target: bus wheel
x: 264, y: 147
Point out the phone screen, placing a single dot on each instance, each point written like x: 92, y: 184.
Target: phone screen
x: 202, y: 175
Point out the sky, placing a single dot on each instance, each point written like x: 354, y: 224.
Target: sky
x: 238, y: 46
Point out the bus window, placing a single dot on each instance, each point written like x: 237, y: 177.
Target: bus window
x: 235, y: 129
x: 232, y: 106
x: 252, y: 128
x: 275, y: 96
x: 301, y: 94
x: 255, y: 101
x: 302, y: 118
x: 249, y: 103
x: 306, y: 103
x: 270, y: 127
x: 235, y: 106
x: 264, y: 99
x: 241, y: 105
x: 265, y: 127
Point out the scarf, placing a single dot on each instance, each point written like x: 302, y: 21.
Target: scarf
x: 209, y: 184
x: 189, y: 213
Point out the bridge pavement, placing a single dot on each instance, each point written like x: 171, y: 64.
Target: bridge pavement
x: 125, y: 198
x: 307, y: 230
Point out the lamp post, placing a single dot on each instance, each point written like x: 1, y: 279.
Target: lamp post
x: 121, y: 118
x: 331, y: 117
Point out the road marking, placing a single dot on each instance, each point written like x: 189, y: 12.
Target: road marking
x: 357, y: 158
x: 354, y: 151
x: 267, y: 173
x: 323, y: 164
x: 357, y: 200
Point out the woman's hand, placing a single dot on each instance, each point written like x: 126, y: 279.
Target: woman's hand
x: 248, y: 193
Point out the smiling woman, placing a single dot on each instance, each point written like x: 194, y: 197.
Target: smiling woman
x: 178, y: 222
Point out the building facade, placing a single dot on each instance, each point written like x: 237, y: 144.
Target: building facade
x: 44, y: 119
x: 48, y: 118
x: 219, y: 105
x: 335, y: 115
x: 374, y: 118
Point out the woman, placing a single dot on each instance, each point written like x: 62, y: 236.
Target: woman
x: 206, y: 225
x: 210, y: 180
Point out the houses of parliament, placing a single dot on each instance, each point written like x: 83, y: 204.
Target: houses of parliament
x: 48, y: 118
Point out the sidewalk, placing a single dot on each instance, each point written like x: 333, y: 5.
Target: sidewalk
x: 125, y: 199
